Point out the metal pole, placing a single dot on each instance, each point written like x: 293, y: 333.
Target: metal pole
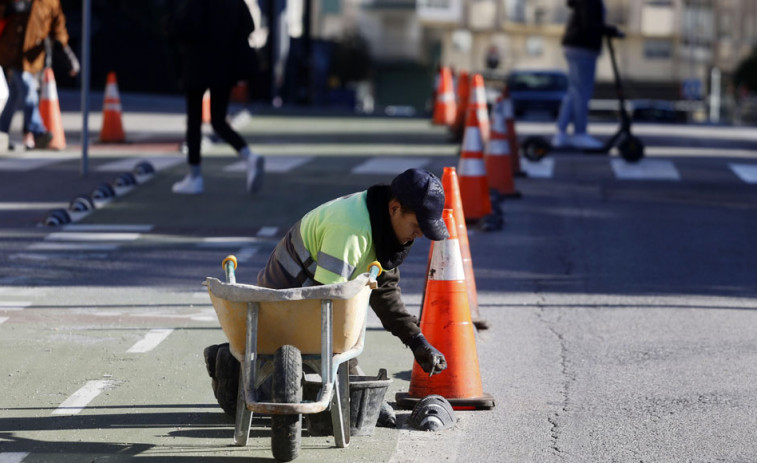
x: 86, y: 10
x: 715, y: 95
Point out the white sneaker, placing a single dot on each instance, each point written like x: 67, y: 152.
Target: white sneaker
x: 586, y: 142
x: 560, y: 140
x: 189, y: 185
x: 255, y: 173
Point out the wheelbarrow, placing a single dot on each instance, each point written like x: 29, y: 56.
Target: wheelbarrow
x: 273, y: 334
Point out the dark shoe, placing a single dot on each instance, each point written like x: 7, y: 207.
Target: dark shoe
x: 42, y: 140
x: 387, y: 418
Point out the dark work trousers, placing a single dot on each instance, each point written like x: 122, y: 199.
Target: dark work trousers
x: 219, y: 105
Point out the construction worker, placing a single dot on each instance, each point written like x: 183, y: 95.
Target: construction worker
x: 335, y: 242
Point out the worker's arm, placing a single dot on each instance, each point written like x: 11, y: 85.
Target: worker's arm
x: 387, y: 302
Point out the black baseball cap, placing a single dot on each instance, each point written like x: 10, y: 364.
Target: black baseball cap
x: 422, y: 192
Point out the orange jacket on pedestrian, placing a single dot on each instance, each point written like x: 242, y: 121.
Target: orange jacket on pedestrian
x: 22, y: 43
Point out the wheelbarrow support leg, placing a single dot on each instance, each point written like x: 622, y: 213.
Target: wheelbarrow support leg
x: 340, y: 407
x: 247, y: 377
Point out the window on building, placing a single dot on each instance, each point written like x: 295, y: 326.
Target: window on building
x: 658, y: 49
x: 516, y: 10
x: 331, y: 7
x: 534, y: 45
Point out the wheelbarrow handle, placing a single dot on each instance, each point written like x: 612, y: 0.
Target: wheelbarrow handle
x: 374, y: 269
x: 229, y: 264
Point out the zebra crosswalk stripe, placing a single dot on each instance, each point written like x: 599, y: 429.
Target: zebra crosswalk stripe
x: 646, y: 169
x: 389, y: 165
x: 746, y: 172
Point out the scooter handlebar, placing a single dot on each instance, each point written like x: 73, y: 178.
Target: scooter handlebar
x: 614, y: 33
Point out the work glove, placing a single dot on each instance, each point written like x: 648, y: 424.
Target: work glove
x: 428, y: 357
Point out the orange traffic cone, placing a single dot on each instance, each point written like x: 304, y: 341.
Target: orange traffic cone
x: 206, y: 107
x: 477, y: 104
x: 49, y: 109
x: 463, y: 95
x: 511, y: 136
x: 474, y: 189
x: 446, y: 324
x: 452, y: 201
x: 445, y: 108
x: 112, y: 130
x: 499, y: 166
x: 239, y: 93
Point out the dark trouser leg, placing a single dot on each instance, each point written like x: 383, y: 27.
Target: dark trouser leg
x: 219, y: 106
x: 194, y: 125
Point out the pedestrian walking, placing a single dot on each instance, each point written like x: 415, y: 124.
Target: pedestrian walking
x: 582, y: 43
x: 335, y: 242
x: 213, y: 37
x: 26, y: 24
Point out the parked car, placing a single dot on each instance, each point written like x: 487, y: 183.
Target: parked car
x: 654, y: 111
x: 537, y: 90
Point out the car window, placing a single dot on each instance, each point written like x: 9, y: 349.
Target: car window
x: 537, y: 81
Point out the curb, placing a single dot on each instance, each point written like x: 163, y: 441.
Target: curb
x: 83, y: 204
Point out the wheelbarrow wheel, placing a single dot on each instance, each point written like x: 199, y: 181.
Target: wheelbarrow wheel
x: 286, y: 430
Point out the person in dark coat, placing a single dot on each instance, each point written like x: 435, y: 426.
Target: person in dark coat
x: 213, y: 35
x: 582, y: 43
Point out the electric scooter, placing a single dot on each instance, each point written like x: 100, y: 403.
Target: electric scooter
x: 630, y: 147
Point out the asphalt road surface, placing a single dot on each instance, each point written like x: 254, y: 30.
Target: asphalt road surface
x: 621, y: 299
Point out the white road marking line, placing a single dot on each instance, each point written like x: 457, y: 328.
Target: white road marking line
x: 245, y: 254
x: 22, y: 291
x: 690, y: 151
x: 14, y: 305
x: 13, y: 457
x: 646, y: 169
x: 92, y: 236
x: 25, y: 165
x: 273, y: 164
x: 105, y: 227
x: 81, y: 398
x: 21, y: 206
x: 545, y: 168
x: 2, y: 320
x: 389, y: 165
x: 267, y: 231
x: 72, y: 247
x: 746, y: 172
x: 226, y: 241
x: 240, y: 119
x: 150, y: 341
x: 126, y: 165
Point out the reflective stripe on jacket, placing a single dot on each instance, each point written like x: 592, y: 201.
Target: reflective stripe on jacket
x: 331, y: 244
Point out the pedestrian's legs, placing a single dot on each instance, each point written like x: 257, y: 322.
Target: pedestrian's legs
x: 567, y: 107
x: 219, y: 106
x: 194, y: 126
x: 582, y: 70
x: 192, y: 183
x: 15, y: 98
x: 32, y: 118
